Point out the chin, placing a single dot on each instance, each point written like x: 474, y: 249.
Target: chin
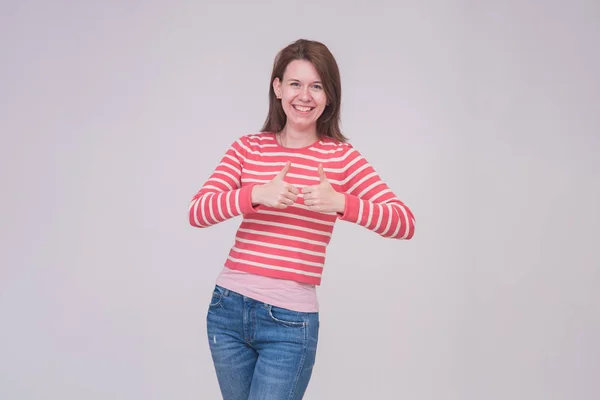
x: 302, y: 125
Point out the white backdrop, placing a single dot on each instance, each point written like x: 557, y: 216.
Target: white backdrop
x: 483, y: 117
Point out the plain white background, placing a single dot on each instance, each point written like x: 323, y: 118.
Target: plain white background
x: 484, y: 117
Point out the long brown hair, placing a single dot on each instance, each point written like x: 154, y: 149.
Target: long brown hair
x: 328, y: 124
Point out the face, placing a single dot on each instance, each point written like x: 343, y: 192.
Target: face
x: 302, y: 95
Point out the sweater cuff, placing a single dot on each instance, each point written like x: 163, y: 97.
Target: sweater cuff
x: 246, y: 200
x: 350, y: 208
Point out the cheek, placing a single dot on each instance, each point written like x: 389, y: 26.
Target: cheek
x: 288, y: 97
x: 321, y: 99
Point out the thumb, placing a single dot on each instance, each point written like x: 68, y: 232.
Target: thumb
x: 322, y: 173
x: 285, y: 170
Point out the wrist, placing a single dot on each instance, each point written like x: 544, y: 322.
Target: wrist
x: 255, y: 195
x: 340, y: 203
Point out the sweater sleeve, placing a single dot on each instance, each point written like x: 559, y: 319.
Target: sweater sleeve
x: 371, y: 203
x: 222, y: 196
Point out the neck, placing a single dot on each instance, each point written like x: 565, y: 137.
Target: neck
x: 295, y: 138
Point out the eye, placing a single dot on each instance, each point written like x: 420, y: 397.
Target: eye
x: 294, y: 84
x: 318, y: 87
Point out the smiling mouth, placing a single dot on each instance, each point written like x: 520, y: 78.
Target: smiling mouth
x: 302, y: 108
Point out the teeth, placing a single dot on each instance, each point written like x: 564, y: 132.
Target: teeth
x: 300, y: 108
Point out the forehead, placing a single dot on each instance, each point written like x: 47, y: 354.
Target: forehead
x: 302, y: 70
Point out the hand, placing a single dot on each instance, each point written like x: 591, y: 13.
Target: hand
x: 323, y: 197
x: 277, y: 193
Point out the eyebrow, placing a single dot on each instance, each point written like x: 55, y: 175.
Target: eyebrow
x: 298, y: 80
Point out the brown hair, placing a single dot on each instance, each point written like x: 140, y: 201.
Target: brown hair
x: 328, y: 124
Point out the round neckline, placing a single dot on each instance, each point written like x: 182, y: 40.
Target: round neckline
x: 293, y: 148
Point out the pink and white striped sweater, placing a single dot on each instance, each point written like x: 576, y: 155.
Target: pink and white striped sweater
x: 291, y: 243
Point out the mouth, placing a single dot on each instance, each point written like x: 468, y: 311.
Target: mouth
x: 303, y: 109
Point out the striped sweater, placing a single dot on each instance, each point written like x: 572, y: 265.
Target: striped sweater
x: 291, y: 243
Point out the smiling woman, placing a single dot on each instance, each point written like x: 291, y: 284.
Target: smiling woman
x: 290, y: 182
x: 302, y: 97
x: 305, y: 93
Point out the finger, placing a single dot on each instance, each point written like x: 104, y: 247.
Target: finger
x: 285, y: 170
x: 285, y: 200
x: 310, y: 202
x: 322, y: 176
x: 308, y: 189
x: 291, y: 196
x: 293, y: 189
x: 312, y: 194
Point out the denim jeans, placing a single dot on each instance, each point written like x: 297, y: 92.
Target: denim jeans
x: 259, y: 351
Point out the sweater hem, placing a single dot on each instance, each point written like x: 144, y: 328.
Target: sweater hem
x: 273, y: 273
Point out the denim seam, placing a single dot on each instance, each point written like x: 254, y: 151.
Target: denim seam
x: 211, y: 305
x: 254, y: 322
x: 302, y: 324
x: 301, y: 364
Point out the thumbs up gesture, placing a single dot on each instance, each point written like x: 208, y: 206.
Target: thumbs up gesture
x: 277, y: 192
x: 323, y: 197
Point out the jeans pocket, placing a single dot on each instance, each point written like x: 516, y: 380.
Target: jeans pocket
x: 287, y: 317
x: 217, y: 297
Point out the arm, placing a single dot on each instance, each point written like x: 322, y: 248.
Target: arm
x: 370, y: 203
x: 222, y: 196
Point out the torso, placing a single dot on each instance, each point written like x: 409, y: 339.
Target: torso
x: 301, y: 246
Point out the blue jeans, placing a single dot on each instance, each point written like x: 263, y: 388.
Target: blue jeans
x: 260, y: 352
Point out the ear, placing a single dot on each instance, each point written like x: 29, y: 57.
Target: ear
x: 277, y: 87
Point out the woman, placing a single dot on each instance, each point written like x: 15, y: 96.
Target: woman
x: 290, y: 183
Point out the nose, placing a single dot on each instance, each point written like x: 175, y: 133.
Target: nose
x: 304, y: 94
